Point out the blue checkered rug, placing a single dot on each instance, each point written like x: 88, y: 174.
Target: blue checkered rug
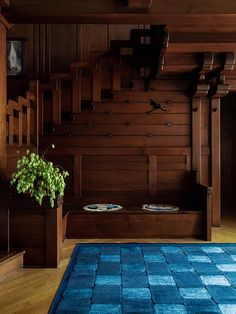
x: 149, y: 278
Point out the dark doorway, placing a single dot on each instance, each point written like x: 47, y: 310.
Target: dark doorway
x: 228, y: 153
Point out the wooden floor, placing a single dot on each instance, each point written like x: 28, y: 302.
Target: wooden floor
x: 32, y: 290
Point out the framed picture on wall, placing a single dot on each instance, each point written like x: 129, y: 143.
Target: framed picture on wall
x: 16, y: 57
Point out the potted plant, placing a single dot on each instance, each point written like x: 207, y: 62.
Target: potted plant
x: 39, y: 178
x: 36, y: 222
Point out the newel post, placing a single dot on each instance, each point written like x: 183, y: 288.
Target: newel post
x: 4, y: 25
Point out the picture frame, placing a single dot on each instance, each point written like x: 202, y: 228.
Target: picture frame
x: 16, y: 57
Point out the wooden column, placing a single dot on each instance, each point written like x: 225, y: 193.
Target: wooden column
x: 201, y: 91
x: 222, y: 90
x: 3, y: 96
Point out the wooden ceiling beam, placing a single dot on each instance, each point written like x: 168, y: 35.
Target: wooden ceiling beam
x: 4, y: 3
x: 139, y: 4
x: 123, y: 18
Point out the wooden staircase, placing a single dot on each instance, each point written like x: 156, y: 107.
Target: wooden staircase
x: 115, y: 151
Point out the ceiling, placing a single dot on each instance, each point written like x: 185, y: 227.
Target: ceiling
x: 210, y: 14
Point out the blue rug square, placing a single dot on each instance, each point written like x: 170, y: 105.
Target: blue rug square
x: 206, y: 268
x: 224, y: 295
x: 109, y: 268
x: 108, y: 280
x: 181, y: 268
x: 136, y: 293
x: 157, y: 268
x: 201, y: 306
x: 144, y: 306
x: 189, y: 280
x: 154, y: 258
x: 105, y: 309
x: 148, y: 279
x: 231, y: 278
x: 103, y: 295
x: 170, y: 309
x: 109, y: 258
x: 81, y: 281
x: 137, y: 281
x: 176, y: 258
x: 166, y: 295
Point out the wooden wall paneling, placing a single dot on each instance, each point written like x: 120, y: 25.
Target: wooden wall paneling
x: 76, y: 94
x: 120, y: 32
x: 143, y: 129
x: 93, y: 38
x: 152, y: 175
x: 96, y: 83
x: 56, y: 102
x: 3, y: 100
x: 108, y: 140
x: 77, y: 175
x: 167, y: 119
x: 63, y: 46
x: 116, y: 77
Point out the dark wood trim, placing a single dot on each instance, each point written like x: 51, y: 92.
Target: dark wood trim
x: 139, y: 225
x: 3, y: 98
x: 124, y: 18
x: 4, y: 22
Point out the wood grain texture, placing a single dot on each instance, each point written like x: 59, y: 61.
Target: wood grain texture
x: 3, y: 100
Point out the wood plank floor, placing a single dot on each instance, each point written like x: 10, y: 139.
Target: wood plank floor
x: 32, y: 290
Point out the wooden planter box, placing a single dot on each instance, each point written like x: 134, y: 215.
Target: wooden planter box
x: 39, y: 230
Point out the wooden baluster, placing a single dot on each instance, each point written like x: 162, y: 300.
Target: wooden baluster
x: 56, y: 102
x: 20, y: 131
x: 11, y: 126
x: 28, y: 123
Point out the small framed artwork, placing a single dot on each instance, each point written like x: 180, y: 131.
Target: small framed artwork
x: 16, y: 57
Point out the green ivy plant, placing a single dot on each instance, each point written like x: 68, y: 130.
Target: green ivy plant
x: 39, y: 178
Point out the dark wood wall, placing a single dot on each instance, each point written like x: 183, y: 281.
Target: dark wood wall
x: 52, y: 47
x: 118, y: 149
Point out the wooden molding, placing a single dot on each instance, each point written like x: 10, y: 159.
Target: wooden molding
x: 124, y: 18
x: 4, y: 22
x: 139, y: 4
